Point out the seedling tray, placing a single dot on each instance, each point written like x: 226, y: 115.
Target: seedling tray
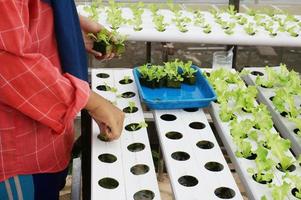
x: 188, y: 96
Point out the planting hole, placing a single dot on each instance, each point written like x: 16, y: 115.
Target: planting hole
x: 132, y: 127
x: 214, y: 166
x: 191, y: 109
x: 103, y: 75
x: 261, y: 181
x: 204, y: 144
x: 289, y: 169
x: 263, y: 86
x: 139, y: 169
x: 136, y: 147
x: 257, y: 73
x: 253, y: 156
x: 197, y: 125
x: 294, y: 192
x: 130, y: 110
x: 208, y: 74
x: 126, y: 81
x: 173, y: 135
x: 284, y: 114
x: 144, y: 195
x: 224, y: 193
x: 246, y: 111
x: 127, y: 95
x: 107, y: 158
x: 180, y: 156
x: 296, y: 130
x: 188, y: 181
x: 103, y: 88
x: 168, y: 117
x: 271, y: 98
x: 108, y: 183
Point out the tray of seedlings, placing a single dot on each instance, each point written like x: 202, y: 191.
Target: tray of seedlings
x: 172, y: 86
x: 261, y: 157
x: 280, y: 90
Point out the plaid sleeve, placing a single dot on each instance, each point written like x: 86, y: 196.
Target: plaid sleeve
x: 28, y: 80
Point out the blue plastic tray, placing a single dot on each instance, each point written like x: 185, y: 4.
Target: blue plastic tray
x: 188, y: 96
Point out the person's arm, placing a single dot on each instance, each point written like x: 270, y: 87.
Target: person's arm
x: 29, y: 82
x: 89, y: 26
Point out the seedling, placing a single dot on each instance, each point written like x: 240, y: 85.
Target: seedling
x: 137, y: 10
x: 198, y: 18
x: 153, y: 8
x: 131, y: 106
x: 140, y: 125
x: 181, y: 22
x: 250, y: 30
x: 92, y: 11
x: 292, y: 31
x: 207, y: 29
x: 231, y: 10
x: 296, y: 181
x: 242, y: 21
x: 114, y: 15
x: 106, y: 42
x: 126, y: 79
x: 263, y: 166
x: 280, y: 192
x: 160, y: 25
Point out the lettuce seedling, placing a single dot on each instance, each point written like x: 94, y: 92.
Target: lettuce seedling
x: 281, y: 99
x: 173, y: 7
x: 292, y: 31
x: 126, y: 79
x: 279, y: 148
x: 240, y: 130
x: 244, y: 148
x: 297, y: 122
x: 242, y: 21
x: 132, y: 105
x: 226, y: 112
x: 181, y: 22
x: 114, y: 15
x: 296, y: 181
x: 269, y: 80
x: 280, y: 192
x: 231, y: 10
x: 263, y: 166
x: 262, y: 117
x: 142, y: 124
x: 137, y: 10
x: 199, y: 19
x: 250, y: 29
x: 207, y: 29
x: 160, y: 25
x: 106, y: 42
x: 93, y: 12
x: 251, y: 12
x: 153, y: 8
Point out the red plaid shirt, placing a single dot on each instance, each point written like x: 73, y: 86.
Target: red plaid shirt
x: 37, y: 102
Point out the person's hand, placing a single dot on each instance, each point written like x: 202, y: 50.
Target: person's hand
x: 89, y: 26
x: 108, y: 117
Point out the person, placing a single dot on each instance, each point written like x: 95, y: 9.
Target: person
x: 43, y: 85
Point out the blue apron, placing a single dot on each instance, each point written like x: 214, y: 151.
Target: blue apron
x: 69, y: 38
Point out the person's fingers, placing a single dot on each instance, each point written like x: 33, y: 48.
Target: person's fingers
x: 89, y: 25
x: 95, y: 53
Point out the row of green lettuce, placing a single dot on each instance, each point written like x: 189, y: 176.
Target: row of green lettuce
x: 254, y: 135
x: 271, y: 20
x: 287, y: 86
